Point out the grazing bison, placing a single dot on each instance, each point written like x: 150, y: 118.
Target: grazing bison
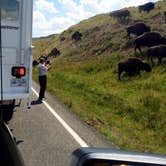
x: 62, y: 39
x: 54, y: 52
x: 132, y: 66
x: 149, y: 39
x: 146, y: 7
x: 137, y: 29
x: 121, y: 14
x: 76, y: 36
x: 157, y: 51
x: 35, y: 63
x: 44, y: 57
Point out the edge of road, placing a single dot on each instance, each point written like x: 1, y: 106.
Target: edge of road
x: 86, y: 134
x: 76, y: 137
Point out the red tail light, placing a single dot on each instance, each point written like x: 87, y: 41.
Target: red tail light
x: 18, y: 71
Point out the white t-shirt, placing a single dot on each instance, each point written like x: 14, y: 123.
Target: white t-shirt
x: 42, y: 69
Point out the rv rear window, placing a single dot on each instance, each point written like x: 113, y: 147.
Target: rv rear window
x: 9, y: 10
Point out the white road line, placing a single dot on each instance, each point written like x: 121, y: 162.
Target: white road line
x: 77, y: 138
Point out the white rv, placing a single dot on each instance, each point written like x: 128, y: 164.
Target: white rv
x: 15, y: 53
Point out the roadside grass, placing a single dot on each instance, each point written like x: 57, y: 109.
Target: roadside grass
x: 132, y: 112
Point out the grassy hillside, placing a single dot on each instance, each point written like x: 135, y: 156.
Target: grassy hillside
x: 131, y: 112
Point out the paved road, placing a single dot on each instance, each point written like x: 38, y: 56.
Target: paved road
x: 43, y: 140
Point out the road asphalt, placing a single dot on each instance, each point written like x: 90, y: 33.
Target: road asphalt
x: 43, y: 140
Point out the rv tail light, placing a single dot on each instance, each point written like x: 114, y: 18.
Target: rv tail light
x: 18, y: 71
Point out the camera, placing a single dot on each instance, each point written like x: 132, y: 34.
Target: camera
x: 48, y: 62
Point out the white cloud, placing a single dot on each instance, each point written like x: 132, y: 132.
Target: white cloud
x: 74, y: 10
x: 45, y: 5
x: 38, y: 18
x: 42, y: 26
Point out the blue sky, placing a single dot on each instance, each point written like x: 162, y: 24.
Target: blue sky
x: 55, y: 16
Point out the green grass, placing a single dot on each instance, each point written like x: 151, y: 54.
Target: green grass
x: 131, y: 112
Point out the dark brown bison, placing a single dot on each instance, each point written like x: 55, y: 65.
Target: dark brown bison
x: 35, y: 63
x: 121, y: 14
x: 45, y: 57
x: 149, y: 39
x: 137, y: 29
x: 76, y: 36
x: 157, y: 51
x: 54, y: 52
x: 146, y: 7
x: 132, y: 66
x: 62, y: 39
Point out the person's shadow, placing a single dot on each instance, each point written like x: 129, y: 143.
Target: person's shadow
x: 35, y: 102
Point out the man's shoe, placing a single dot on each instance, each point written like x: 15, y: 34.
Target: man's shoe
x: 40, y: 100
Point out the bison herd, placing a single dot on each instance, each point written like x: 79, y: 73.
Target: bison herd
x: 156, y: 48
x: 53, y: 53
x: 123, y: 14
x: 76, y: 36
x: 144, y: 38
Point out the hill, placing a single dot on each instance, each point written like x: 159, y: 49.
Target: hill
x: 131, y: 112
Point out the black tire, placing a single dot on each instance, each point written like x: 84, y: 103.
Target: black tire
x: 8, y: 111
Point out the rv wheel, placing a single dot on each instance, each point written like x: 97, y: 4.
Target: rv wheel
x: 8, y: 111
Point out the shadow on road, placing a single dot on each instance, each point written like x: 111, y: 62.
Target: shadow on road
x: 35, y: 102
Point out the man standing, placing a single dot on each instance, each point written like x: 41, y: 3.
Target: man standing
x: 42, y: 70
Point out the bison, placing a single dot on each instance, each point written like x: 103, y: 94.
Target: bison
x: 62, y: 39
x: 44, y: 56
x: 157, y: 51
x: 137, y: 29
x: 35, y: 63
x: 121, y: 14
x: 146, y: 7
x: 132, y: 66
x: 149, y: 39
x: 54, y: 52
x: 76, y: 36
